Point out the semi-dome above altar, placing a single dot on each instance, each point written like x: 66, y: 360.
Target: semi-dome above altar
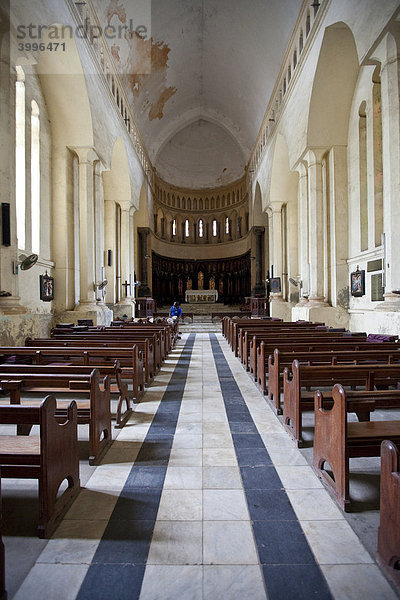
x: 200, y: 155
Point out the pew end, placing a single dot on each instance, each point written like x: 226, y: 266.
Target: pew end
x: 388, y: 551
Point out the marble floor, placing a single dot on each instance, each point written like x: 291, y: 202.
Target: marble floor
x: 202, y: 495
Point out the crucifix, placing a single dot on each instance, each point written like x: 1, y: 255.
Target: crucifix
x: 126, y: 285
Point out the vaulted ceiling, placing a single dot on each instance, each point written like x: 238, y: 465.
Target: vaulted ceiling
x: 200, y: 85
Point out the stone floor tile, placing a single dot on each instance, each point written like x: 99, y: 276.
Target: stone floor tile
x: 176, y: 543
x: 229, y: 543
x: 172, y: 582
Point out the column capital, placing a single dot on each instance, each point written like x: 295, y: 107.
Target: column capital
x: 314, y: 155
x: 85, y: 154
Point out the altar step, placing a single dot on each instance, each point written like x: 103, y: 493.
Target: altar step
x: 200, y: 327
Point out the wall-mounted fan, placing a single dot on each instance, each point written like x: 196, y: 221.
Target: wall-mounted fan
x: 24, y: 262
x: 100, y: 285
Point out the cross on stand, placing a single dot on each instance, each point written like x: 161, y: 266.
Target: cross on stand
x: 126, y: 285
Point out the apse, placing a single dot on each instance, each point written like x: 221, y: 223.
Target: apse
x: 201, y: 155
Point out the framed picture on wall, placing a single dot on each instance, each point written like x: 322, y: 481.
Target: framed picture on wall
x: 358, y: 283
x: 275, y: 285
x: 46, y: 288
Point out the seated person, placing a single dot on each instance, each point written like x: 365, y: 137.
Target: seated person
x: 175, y: 314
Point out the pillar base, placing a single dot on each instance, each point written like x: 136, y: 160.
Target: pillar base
x: 100, y: 314
x: 279, y: 308
x: 332, y: 316
x: 391, y: 303
x: 122, y: 309
x: 317, y: 301
x: 9, y: 305
x: 303, y: 302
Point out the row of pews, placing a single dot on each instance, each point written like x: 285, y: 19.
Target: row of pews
x: 343, y: 377
x: 74, y: 377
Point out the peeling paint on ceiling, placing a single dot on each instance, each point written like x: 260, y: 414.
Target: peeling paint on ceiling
x: 209, y: 60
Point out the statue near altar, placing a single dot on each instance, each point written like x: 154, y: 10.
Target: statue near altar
x: 201, y: 296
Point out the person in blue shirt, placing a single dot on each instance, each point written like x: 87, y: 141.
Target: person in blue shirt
x: 175, y: 313
x: 175, y: 310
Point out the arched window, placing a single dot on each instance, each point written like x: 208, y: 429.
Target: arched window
x: 214, y: 227
x: 35, y: 176
x: 20, y: 182
x: 187, y: 228
x: 174, y: 227
x: 201, y: 228
x: 227, y: 225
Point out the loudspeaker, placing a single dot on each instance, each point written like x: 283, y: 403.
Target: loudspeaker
x: 5, y: 224
x: 109, y: 258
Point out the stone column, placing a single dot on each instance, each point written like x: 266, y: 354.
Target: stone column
x: 259, y: 288
x: 126, y: 274
x: 143, y: 233
x: 303, y: 230
x: 315, y: 226
x: 388, y: 54
x: 276, y: 249
x: 99, y: 229
x: 110, y: 244
x: 87, y: 299
x: 338, y: 220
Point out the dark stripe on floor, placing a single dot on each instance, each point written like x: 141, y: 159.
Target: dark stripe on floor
x: 118, y: 566
x: 289, y: 567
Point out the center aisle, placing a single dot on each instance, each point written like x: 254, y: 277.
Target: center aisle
x: 203, y: 496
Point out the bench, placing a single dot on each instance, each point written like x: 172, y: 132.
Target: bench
x: 114, y: 372
x: 130, y: 360
x: 151, y: 344
x: 349, y: 343
x: 300, y: 379
x: 281, y: 359
x: 336, y: 440
x: 51, y: 457
x: 388, y: 554
x: 93, y: 410
x: 145, y: 347
x: 249, y: 339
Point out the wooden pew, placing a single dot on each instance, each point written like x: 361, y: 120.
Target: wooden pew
x: 301, y: 378
x: 158, y: 336
x: 145, y: 347
x: 50, y: 457
x: 151, y: 343
x: 336, y: 440
x: 94, y: 409
x: 281, y: 359
x: 114, y: 372
x: 388, y: 554
x: 249, y: 339
x: 349, y: 343
x: 129, y: 359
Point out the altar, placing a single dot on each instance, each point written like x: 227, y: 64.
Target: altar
x: 201, y: 296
